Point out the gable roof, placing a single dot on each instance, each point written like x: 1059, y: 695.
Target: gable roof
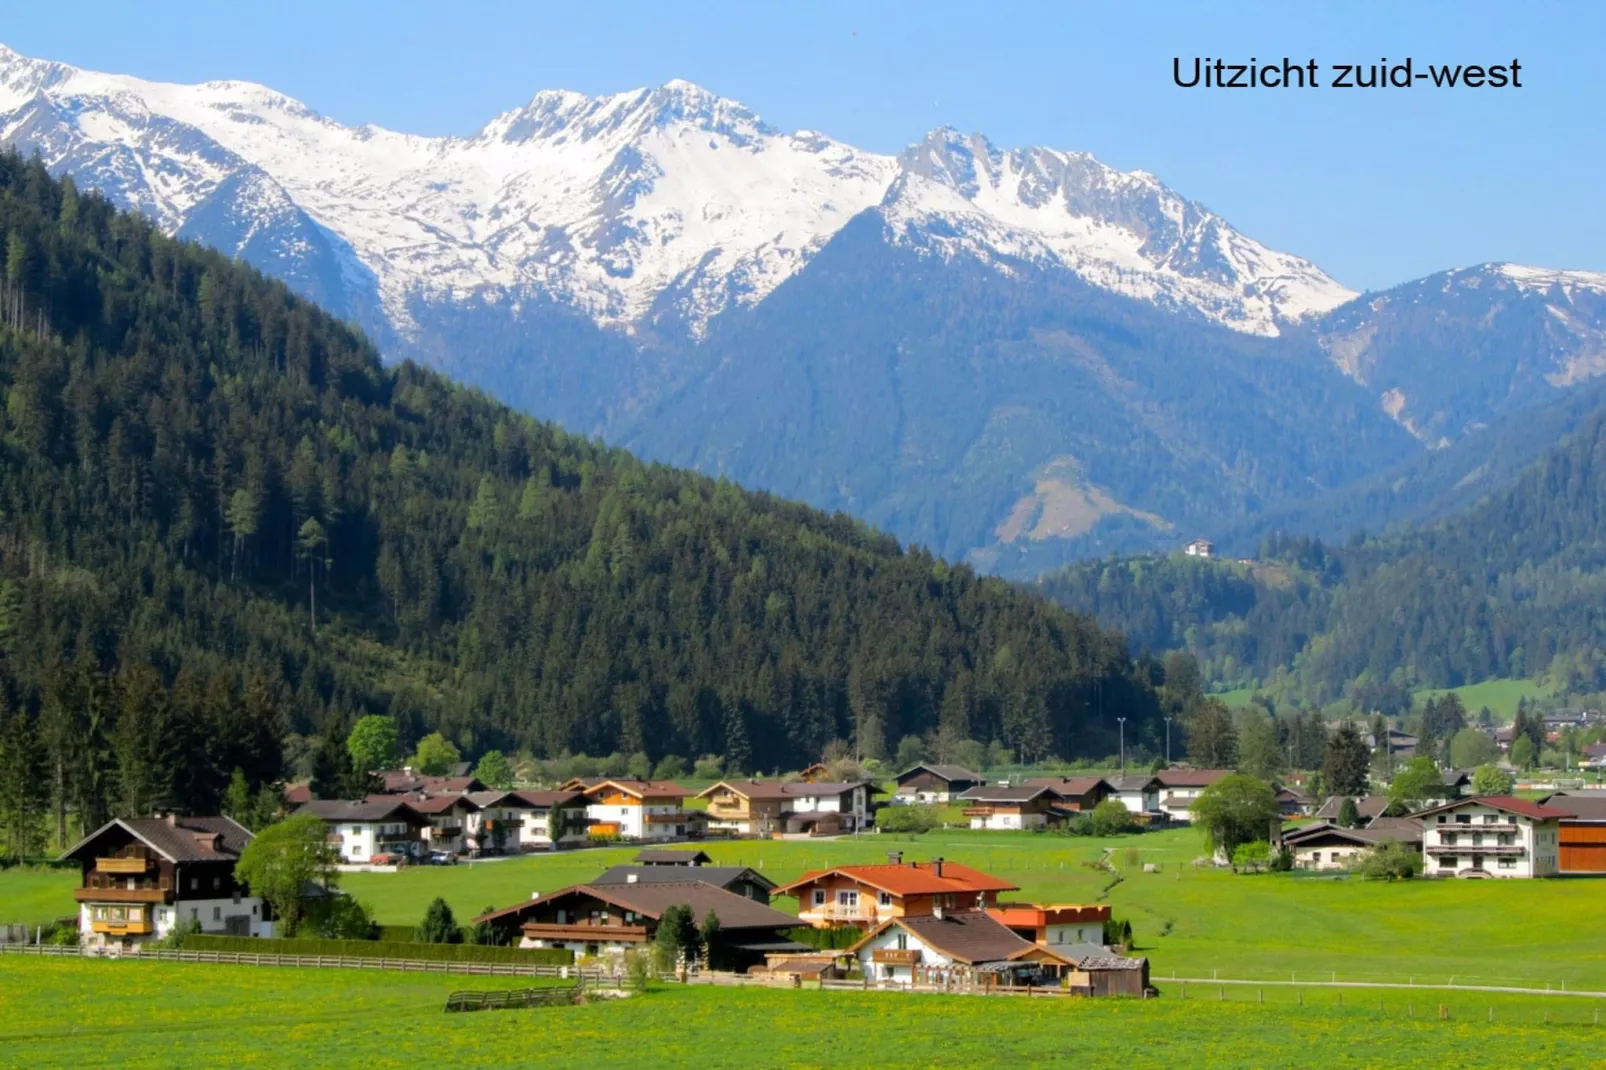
x: 378, y: 808
x: 968, y: 936
x: 179, y: 839
x: 653, y: 898
x: 1023, y: 793
x: 1190, y: 778
x: 425, y: 803
x: 1365, y: 806
x: 399, y: 781
x: 1140, y: 782
x: 546, y: 800
x: 1069, y: 786
x: 669, y: 856
x: 1508, y: 803
x: 719, y: 876
x: 1583, y: 807
x: 640, y: 788
x: 1400, y: 829
x: 948, y: 772
x: 911, y: 878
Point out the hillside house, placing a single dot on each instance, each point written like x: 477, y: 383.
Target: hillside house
x: 637, y: 809
x: 1457, y: 782
x: 1138, y: 792
x: 739, y: 880
x: 934, y: 783
x: 365, y: 831
x: 139, y: 877
x: 1076, y: 793
x: 1200, y: 548
x: 868, y: 895
x: 965, y: 947
x: 815, y: 773
x: 992, y: 807
x: 605, y: 919
x: 1491, y: 836
x: 1179, y: 787
x: 767, y: 807
x: 1583, y: 831
x: 1061, y: 927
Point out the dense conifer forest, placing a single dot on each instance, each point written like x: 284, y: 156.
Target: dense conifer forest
x: 226, y: 529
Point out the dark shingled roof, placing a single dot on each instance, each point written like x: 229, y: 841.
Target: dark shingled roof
x: 1584, y: 806
x: 719, y: 876
x: 969, y: 936
x: 944, y: 772
x: 666, y: 856
x: 734, y: 911
x: 1366, y: 806
x: 545, y: 800
x: 180, y: 839
x: 336, y: 810
x: 1070, y: 785
x: 1008, y: 795
x: 1191, y: 778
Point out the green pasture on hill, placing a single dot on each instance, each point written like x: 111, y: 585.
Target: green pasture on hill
x: 1501, y: 696
x: 73, y: 1013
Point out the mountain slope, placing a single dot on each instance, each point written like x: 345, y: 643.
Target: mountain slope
x: 1510, y: 586
x: 216, y: 492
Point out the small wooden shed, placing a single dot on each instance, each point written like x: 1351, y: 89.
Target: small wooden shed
x: 1111, y: 975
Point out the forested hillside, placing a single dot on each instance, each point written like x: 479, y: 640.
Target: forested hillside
x: 1510, y: 587
x: 223, y: 525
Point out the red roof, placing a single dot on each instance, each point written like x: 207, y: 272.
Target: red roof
x: 1508, y: 803
x: 912, y: 878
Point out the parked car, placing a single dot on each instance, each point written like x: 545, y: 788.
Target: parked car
x: 442, y: 858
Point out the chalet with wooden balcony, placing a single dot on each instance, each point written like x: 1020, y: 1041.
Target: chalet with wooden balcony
x: 604, y: 919
x: 450, y: 816
x: 969, y: 948
x: 1076, y: 793
x: 934, y: 783
x: 740, y: 880
x: 369, y: 833
x: 1491, y: 836
x: 640, y: 810
x: 866, y: 896
x: 1023, y: 807
x: 516, y: 821
x: 142, y: 876
x: 767, y: 807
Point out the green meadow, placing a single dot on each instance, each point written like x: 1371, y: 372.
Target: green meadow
x: 1501, y: 696
x: 72, y: 1013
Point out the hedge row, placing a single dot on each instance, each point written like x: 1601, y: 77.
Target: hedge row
x: 399, y: 934
x: 380, y: 949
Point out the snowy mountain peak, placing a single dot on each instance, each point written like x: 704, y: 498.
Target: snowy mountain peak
x: 667, y: 203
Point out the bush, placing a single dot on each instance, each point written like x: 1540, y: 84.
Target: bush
x: 1251, y: 857
x: 919, y: 817
x: 1389, y: 861
x: 64, y: 936
x: 1111, y: 818
x: 377, y: 949
x: 175, y: 936
x: 439, y: 926
x: 339, y: 917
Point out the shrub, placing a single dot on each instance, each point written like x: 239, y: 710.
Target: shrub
x: 64, y: 936
x: 1111, y: 818
x: 1492, y: 780
x: 339, y: 917
x: 1251, y: 857
x: 915, y: 818
x: 379, y: 949
x: 1389, y: 861
x: 439, y: 926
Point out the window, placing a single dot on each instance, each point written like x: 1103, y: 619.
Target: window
x: 99, y: 914
x: 903, y: 941
x: 847, y: 898
x: 195, y: 884
x: 1508, y: 863
x: 217, y: 913
x: 1442, y: 819
x: 1491, y: 819
x: 1463, y: 819
x: 1447, y: 839
x: 885, y: 899
x: 819, y: 897
x: 1447, y: 862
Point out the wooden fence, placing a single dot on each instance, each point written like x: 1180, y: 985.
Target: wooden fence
x: 514, y: 998
x: 346, y: 962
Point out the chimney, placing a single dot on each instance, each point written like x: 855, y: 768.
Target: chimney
x: 171, y: 818
x: 894, y: 858
x: 632, y: 878
x: 936, y: 866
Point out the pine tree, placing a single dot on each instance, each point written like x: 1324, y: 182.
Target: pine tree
x: 24, y: 792
x: 1347, y: 762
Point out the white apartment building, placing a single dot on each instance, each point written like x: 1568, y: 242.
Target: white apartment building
x: 1491, y: 836
x: 362, y: 830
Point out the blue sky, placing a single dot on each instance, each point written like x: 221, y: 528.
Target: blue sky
x: 1376, y: 186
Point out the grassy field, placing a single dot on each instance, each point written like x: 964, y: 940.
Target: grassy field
x: 1501, y: 696
x: 91, y: 1013
x: 1188, y: 920
x: 36, y: 896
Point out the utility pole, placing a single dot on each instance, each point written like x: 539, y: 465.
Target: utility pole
x: 1168, y: 741
x: 1122, y: 722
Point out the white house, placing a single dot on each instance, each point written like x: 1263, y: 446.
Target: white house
x: 1179, y: 787
x: 1491, y: 836
x: 1138, y: 792
x: 636, y: 809
x: 1200, y: 548
x: 1325, y: 846
x: 360, y: 831
x: 1025, y: 807
x: 956, y: 946
x: 451, y: 817
x: 552, y: 819
x: 142, y: 876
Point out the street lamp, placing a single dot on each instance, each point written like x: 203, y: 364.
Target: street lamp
x: 1168, y: 741
x: 1122, y: 722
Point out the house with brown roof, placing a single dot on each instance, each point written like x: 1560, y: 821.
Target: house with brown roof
x: 934, y: 783
x: 1491, y: 836
x: 449, y: 814
x: 1024, y: 807
x: 766, y: 807
x: 639, y: 810
x: 1179, y: 787
x: 512, y: 822
x: 139, y: 877
x: 865, y: 896
x: 602, y: 919
x: 741, y: 880
x: 405, y: 781
x: 1583, y: 831
x: 1327, y: 846
x: 1076, y: 793
x: 363, y: 832
x: 963, y: 947
x: 1366, y: 807
x: 1138, y: 792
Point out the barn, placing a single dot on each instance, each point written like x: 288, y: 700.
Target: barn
x: 1583, y: 835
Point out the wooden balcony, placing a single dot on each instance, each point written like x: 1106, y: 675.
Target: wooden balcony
x: 665, y: 819
x: 123, y: 865
x: 1504, y: 849
x: 123, y: 895
x: 865, y: 911
x: 891, y: 956
x: 602, y: 934
x: 123, y: 928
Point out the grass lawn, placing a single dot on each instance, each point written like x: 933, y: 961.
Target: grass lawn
x: 36, y: 896
x: 1501, y: 696
x: 83, y: 1013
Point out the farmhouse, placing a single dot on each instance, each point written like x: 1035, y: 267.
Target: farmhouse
x: 868, y: 895
x: 1583, y: 831
x: 765, y: 807
x: 934, y: 783
x: 1491, y: 836
x: 141, y: 876
x: 364, y: 831
x: 1366, y: 807
x: 1077, y: 793
x: 740, y: 880
x: 636, y: 809
x: 1291, y: 803
x: 967, y: 947
x: 1326, y: 846
x: 1012, y: 808
x: 1138, y: 792
x: 1179, y: 787
x: 1061, y: 927
x: 598, y: 919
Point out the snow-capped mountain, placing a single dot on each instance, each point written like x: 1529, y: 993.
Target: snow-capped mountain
x: 666, y: 205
